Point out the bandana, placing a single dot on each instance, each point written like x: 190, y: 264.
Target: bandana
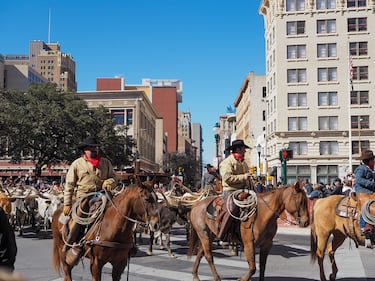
x: 93, y: 161
x: 237, y: 157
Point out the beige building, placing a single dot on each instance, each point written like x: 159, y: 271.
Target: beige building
x: 134, y: 109
x: 55, y: 66
x: 311, y: 106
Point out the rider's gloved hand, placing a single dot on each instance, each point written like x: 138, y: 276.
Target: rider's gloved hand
x: 67, y: 210
x: 108, y: 184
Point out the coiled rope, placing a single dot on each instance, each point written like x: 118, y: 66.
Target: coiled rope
x: 365, y: 211
x: 88, y: 217
x: 248, y: 205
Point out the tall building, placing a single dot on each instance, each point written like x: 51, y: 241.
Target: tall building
x: 55, y: 66
x: 313, y: 48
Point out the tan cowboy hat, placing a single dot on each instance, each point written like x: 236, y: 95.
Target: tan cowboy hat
x: 366, y: 155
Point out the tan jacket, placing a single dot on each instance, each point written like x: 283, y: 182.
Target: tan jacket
x: 82, y: 176
x: 232, y: 173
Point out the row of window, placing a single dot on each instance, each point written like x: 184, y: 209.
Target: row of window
x: 299, y: 5
x: 47, y: 61
x: 328, y: 122
x: 325, y: 74
x: 326, y: 50
x: 327, y: 98
x: 326, y: 26
x: 325, y: 173
x: 328, y: 147
x: 123, y: 116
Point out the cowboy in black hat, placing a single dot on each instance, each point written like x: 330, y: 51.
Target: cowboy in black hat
x: 364, y: 183
x: 89, y: 173
x: 208, y: 183
x: 235, y: 176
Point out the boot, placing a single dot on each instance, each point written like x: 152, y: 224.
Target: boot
x: 73, y: 255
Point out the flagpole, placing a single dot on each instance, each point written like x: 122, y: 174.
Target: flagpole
x: 350, y: 89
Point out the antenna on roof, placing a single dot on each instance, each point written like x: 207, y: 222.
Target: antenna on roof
x: 49, y: 25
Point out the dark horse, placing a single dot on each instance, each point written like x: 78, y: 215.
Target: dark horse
x: 112, y: 239
x: 329, y: 219
x: 8, y: 246
x: 256, y: 232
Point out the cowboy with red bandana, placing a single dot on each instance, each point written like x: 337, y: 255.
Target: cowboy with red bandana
x: 87, y: 174
x: 235, y: 176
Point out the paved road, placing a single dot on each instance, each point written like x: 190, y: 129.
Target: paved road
x: 289, y: 260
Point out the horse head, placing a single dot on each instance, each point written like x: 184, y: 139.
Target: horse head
x: 297, y: 204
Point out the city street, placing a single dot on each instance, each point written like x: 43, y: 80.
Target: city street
x: 289, y: 260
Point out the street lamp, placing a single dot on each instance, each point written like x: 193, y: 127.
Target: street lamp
x: 216, y: 131
x: 259, y: 149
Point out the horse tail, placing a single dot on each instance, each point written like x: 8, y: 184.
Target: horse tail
x: 193, y: 241
x: 57, y: 241
x: 313, y: 243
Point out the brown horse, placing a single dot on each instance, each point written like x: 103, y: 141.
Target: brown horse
x: 257, y: 232
x: 327, y: 222
x: 110, y: 240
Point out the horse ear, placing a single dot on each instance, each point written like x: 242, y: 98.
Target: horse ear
x: 298, y: 186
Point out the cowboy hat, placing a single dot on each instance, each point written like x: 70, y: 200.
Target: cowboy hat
x: 366, y: 155
x: 237, y: 144
x: 90, y: 141
x: 209, y: 166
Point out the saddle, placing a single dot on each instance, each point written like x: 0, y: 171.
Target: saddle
x: 347, y: 207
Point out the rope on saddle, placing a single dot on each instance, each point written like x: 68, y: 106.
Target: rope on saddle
x: 365, y: 211
x: 247, y: 205
x: 89, y: 217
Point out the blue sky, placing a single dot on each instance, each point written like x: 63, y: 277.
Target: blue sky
x: 209, y: 45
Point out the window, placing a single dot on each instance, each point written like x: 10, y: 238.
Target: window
x: 360, y: 73
x: 328, y: 122
x: 296, y: 51
x: 325, y: 4
x: 327, y: 98
x: 328, y: 147
x: 327, y: 50
x: 327, y: 74
x: 359, y: 97
x: 365, y: 145
x: 296, y: 75
x: 360, y: 122
x: 297, y: 99
x: 118, y: 115
x: 358, y: 48
x: 295, y: 27
x: 326, y: 26
x: 299, y: 148
x: 295, y: 5
x: 357, y: 24
x: 129, y: 117
x: 327, y: 174
x: 356, y: 3
x: 297, y: 123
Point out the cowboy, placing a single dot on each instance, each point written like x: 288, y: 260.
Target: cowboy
x: 364, y: 183
x: 235, y: 176
x: 87, y: 174
x: 208, y: 180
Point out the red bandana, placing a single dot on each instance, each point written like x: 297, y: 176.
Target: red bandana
x: 93, y: 161
x: 237, y: 157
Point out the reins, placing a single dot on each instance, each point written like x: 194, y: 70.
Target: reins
x: 278, y: 215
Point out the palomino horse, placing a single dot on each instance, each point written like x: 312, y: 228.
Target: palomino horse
x: 256, y: 232
x: 340, y: 222
x: 111, y: 239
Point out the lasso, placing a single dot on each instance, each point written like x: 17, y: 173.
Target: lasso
x: 249, y: 204
x: 88, y: 217
x: 365, y: 211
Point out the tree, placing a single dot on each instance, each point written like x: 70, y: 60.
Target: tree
x: 45, y: 126
x: 188, y: 165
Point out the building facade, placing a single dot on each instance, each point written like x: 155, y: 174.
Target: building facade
x: 319, y: 81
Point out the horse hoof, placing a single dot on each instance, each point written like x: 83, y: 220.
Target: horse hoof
x: 331, y: 278
x: 149, y: 253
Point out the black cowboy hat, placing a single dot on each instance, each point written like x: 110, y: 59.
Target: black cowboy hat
x: 237, y: 144
x: 90, y: 141
x: 366, y: 155
x: 209, y: 166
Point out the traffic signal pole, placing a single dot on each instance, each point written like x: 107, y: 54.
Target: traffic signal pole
x: 284, y: 156
x: 283, y: 163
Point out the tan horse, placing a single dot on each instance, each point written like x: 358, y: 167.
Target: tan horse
x: 255, y: 233
x: 327, y: 223
x: 111, y: 240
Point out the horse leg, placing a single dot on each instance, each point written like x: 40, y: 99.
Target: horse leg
x: 320, y: 252
x: 168, y: 243
x: 67, y: 271
x: 149, y: 251
x: 118, y: 268
x: 249, y: 250
x: 96, y: 269
x: 263, y: 255
x: 338, y: 239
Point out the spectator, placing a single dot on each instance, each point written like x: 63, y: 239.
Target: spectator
x: 307, y: 186
x: 336, y: 188
x: 317, y: 191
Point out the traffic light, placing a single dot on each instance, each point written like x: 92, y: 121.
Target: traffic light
x: 286, y: 154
